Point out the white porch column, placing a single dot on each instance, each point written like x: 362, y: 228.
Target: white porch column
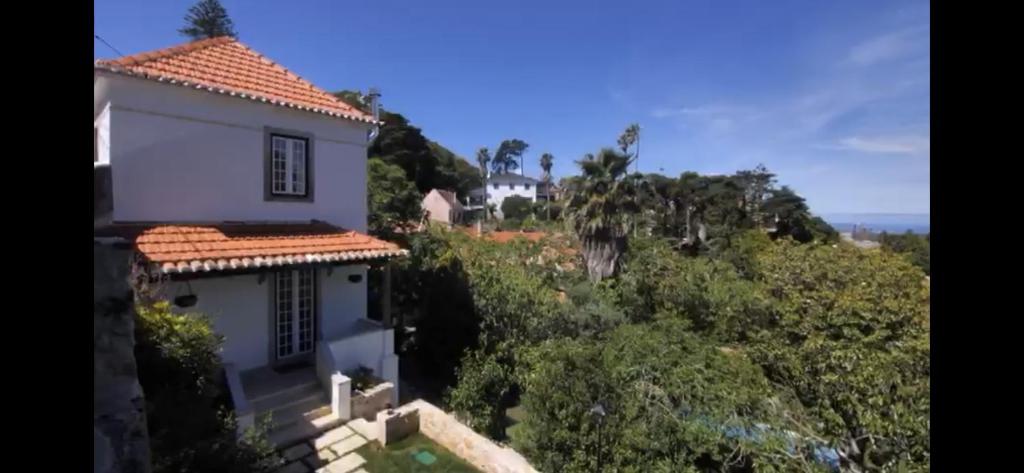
x: 341, y: 396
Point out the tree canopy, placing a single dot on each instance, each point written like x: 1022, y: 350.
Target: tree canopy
x: 207, y: 19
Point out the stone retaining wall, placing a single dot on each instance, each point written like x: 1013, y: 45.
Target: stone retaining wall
x: 120, y: 439
x: 366, y: 404
x: 468, y: 445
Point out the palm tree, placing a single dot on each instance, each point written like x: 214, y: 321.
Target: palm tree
x: 628, y: 138
x: 483, y: 157
x: 602, y: 207
x: 546, y: 161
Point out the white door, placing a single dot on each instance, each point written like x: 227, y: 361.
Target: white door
x: 294, y: 318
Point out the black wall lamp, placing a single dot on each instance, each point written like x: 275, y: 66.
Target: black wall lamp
x: 188, y: 300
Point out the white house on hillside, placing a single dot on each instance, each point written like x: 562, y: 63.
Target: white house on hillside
x: 500, y: 186
x: 244, y: 187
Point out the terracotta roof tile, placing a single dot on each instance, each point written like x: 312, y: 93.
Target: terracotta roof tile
x: 187, y: 248
x: 227, y: 66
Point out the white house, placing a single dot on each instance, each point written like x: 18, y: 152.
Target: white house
x: 244, y: 187
x: 500, y: 186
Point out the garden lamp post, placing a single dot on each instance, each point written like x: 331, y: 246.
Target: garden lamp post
x: 598, y: 414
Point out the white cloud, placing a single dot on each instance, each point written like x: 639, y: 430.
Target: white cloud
x: 911, y: 144
x: 888, y: 46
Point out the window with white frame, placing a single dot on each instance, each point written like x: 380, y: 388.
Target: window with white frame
x: 294, y: 312
x: 289, y: 161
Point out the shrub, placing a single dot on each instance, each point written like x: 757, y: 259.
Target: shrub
x: 671, y: 402
x: 188, y: 410
x: 516, y: 207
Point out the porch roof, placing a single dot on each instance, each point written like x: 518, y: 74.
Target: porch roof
x: 187, y: 248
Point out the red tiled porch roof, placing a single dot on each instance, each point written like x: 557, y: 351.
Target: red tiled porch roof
x: 228, y: 246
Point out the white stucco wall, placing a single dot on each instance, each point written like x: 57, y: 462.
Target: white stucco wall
x: 180, y: 154
x: 342, y: 302
x: 102, y: 126
x: 497, y: 196
x: 240, y: 309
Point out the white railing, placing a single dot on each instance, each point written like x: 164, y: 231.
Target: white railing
x: 244, y: 415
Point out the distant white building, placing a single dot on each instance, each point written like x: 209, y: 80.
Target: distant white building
x: 501, y: 186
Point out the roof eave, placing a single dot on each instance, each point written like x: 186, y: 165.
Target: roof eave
x: 232, y: 93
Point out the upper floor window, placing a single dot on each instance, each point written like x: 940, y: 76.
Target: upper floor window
x: 511, y: 186
x: 289, y: 167
x: 495, y: 186
x: 527, y: 186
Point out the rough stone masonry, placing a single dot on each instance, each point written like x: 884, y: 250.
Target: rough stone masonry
x: 120, y: 439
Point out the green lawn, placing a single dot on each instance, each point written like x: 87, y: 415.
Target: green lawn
x: 514, y: 415
x: 400, y: 457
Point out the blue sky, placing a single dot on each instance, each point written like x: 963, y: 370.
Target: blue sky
x: 832, y: 96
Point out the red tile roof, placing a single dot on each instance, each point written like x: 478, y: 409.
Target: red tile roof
x: 226, y: 66
x: 196, y: 248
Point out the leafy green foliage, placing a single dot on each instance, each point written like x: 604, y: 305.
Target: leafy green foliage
x: 207, y: 19
x: 849, y: 337
x: 505, y: 158
x: 723, y: 207
x: 188, y: 413
x: 710, y: 295
x: 517, y: 207
x: 394, y: 203
x: 426, y: 163
x: 670, y: 403
x: 916, y: 248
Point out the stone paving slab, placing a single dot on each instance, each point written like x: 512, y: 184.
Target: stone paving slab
x: 344, y: 464
x: 293, y: 467
x: 319, y: 459
x: 332, y: 436
x: 365, y: 428
x: 297, y: 452
x: 347, y: 445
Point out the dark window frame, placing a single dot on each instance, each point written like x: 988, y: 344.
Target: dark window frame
x: 268, y: 162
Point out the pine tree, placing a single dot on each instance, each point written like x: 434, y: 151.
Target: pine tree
x: 208, y: 19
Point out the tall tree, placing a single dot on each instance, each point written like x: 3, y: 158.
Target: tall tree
x: 628, y: 138
x: 507, y: 156
x: 483, y: 157
x: 546, y: 161
x: 393, y: 203
x: 207, y: 19
x: 602, y: 208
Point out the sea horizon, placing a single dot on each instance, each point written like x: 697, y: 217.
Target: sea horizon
x: 879, y: 222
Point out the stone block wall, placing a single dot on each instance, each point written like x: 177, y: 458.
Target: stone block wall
x: 397, y: 424
x: 468, y: 445
x: 120, y: 439
x: 366, y: 404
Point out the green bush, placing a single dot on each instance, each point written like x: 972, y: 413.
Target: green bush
x: 188, y: 411
x: 849, y: 337
x: 516, y: 207
x: 669, y: 400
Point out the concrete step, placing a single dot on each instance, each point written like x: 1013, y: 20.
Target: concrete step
x: 286, y: 397
x: 303, y: 431
x: 303, y: 410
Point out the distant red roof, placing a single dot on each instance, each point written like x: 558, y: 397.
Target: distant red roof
x: 197, y: 248
x: 225, y: 65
